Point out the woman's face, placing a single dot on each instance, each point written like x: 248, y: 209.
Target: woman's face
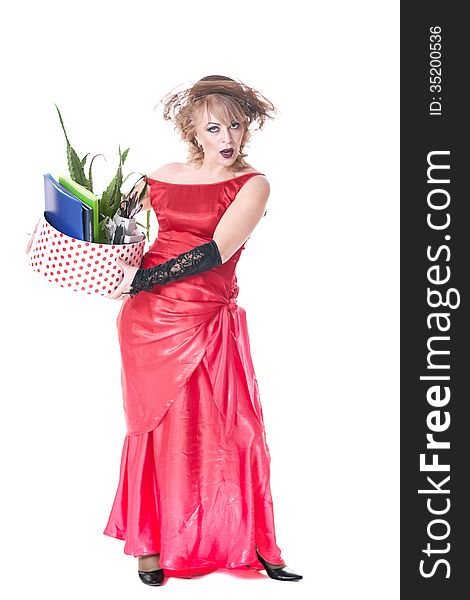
x: 215, y: 137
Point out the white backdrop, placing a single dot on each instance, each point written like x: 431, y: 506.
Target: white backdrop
x: 318, y: 279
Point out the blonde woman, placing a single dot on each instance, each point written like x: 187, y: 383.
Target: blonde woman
x: 194, y: 489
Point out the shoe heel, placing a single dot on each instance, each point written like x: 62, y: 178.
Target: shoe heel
x: 279, y: 573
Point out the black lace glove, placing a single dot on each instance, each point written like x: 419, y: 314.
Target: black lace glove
x: 197, y: 260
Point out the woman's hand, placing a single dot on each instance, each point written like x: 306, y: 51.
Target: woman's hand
x: 125, y: 285
x: 31, y: 238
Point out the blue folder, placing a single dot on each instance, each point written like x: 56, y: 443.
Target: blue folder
x: 63, y: 210
x: 87, y: 217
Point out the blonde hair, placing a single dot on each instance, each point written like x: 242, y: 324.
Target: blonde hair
x: 227, y: 99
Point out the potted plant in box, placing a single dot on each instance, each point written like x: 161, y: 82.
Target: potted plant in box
x: 87, y: 266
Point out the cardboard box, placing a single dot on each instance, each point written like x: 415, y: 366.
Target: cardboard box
x: 80, y: 266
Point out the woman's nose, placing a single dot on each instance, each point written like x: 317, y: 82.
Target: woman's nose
x: 227, y: 136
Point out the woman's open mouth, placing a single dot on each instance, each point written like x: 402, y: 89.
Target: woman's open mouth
x: 227, y: 153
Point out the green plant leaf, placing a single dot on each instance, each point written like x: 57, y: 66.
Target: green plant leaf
x: 76, y: 170
x: 129, y: 174
x: 62, y: 123
x: 113, y: 195
x: 104, y: 201
x: 102, y: 230
x: 89, y: 172
x: 114, y: 188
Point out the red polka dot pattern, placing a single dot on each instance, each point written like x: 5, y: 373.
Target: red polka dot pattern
x: 78, y: 265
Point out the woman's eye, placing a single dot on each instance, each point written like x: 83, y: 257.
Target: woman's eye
x: 214, y: 127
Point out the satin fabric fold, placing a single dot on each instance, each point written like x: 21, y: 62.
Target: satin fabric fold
x: 187, y: 492
x: 162, y: 341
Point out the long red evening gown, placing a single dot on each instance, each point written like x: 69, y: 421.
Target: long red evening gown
x: 194, y: 481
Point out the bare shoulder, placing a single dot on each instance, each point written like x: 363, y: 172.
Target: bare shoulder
x: 166, y: 171
x: 257, y: 181
x: 257, y: 185
x: 254, y: 194
x: 176, y: 172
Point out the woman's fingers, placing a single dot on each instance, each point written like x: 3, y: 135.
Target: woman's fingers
x: 120, y: 293
x: 31, y: 237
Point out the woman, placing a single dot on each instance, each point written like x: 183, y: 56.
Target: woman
x: 194, y: 493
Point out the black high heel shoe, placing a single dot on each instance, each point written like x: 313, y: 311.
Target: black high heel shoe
x: 152, y: 577
x: 282, y: 573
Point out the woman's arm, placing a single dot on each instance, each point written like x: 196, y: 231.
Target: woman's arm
x: 242, y: 216
x: 31, y: 237
x: 232, y: 231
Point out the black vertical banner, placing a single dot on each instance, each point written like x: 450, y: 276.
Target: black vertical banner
x: 435, y: 315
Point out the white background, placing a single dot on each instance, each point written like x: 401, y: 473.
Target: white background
x: 318, y: 279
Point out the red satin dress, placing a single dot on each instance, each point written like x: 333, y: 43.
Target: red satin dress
x: 194, y: 481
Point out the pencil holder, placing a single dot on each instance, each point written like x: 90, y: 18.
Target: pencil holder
x: 81, y: 266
